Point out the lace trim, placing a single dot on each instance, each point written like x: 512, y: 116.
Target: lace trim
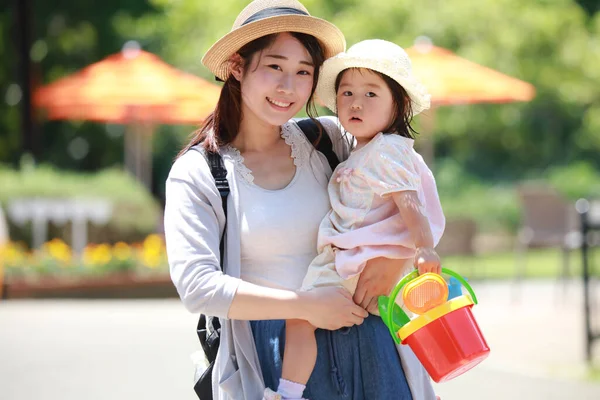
x: 238, y: 161
x: 296, y: 140
x: 292, y: 137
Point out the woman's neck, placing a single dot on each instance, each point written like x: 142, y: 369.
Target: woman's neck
x: 256, y: 135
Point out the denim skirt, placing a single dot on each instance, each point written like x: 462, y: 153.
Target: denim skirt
x: 357, y: 363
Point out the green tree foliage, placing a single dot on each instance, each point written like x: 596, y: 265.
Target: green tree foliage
x: 551, y: 44
x: 66, y: 36
x: 545, y: 43
x: 591, y: 6
x: 554, y: 45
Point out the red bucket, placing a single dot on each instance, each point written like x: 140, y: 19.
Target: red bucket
x: 450, y: 345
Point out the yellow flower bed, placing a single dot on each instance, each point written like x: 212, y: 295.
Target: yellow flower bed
x: 57, y: 258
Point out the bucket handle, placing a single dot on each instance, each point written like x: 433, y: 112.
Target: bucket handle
x: 389, y: 320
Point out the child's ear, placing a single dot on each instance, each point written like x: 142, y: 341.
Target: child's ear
x: 236, y: 66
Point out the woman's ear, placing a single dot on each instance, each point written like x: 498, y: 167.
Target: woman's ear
x: 236, y: 66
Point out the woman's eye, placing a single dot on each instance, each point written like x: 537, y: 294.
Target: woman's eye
x: 370, y: 94
x: 306, y: 73
x: 275, y: 67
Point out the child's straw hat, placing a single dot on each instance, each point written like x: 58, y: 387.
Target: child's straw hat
x: 378, y: 55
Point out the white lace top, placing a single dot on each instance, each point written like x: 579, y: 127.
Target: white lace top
x: 278, y: 228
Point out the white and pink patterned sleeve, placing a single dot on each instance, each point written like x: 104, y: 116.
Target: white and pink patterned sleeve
x: 391, y: 166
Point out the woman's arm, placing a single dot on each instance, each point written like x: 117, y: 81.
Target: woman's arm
x: 326, y: 308
x: 194, y: 222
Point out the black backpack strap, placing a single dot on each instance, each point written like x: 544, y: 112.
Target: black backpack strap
x: 325, y: 146
x: 219, y: 173
x: 210, y: 341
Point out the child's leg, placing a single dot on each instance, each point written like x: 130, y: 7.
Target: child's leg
x: 300, y: 353
x: 299, y: 357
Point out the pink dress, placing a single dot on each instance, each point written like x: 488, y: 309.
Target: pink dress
x: 364, y: 222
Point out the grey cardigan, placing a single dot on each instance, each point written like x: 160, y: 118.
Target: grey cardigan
x: 193, y: 216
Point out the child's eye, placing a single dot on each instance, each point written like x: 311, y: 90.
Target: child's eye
x: 347, y: 93
x: 370, y: 94
x: 275, y: 67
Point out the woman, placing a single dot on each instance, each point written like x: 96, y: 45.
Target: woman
x: 270, y: 63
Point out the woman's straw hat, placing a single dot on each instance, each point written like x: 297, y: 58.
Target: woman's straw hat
x: 264, y: 17
x: 378, y: 55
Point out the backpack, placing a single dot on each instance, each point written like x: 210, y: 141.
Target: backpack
x: 209, y: 328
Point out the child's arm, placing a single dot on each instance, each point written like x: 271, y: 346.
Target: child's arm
x: 411, y: 211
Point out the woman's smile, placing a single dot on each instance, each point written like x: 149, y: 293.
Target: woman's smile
x: 279, y: 105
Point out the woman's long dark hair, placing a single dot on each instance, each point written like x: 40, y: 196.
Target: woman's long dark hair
x: 222, y: 125
x: 402, y: 120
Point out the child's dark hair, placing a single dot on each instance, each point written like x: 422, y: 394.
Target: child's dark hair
x: 222, y: 125
x: 402, y: 120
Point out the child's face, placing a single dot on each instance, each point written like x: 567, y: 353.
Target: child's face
x: 364, y: 103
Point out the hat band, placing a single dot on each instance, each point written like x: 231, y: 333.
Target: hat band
x: 273, y: 12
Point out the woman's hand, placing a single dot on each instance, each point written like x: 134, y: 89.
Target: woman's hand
x: 377, y: 279
x: 427, y: 260
x: 331, y: 308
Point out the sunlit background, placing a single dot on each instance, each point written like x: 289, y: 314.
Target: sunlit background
x: 97, y: 98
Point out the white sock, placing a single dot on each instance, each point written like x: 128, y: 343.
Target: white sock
x: 290, y: 390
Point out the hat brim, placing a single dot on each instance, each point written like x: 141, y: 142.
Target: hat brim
x: 330, y: 37
x: 326, y: 93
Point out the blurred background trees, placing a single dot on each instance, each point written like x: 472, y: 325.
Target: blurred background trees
x: 481, y: 150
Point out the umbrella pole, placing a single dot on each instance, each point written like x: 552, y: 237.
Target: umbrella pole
x: 146, y: 137
x: 129, y: 148
x: 138, y: 153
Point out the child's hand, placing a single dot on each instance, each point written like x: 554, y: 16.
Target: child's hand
x: 427, y: 260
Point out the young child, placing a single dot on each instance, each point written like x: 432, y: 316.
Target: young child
x: 383, y: 197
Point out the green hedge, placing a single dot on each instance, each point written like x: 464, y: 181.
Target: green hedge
x: 135, y: 212
x: 576, y: 180
x: 495, y: 205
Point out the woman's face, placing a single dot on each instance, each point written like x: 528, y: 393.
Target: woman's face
x: 276, y: 83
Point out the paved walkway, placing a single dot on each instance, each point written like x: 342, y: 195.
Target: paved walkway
x: 536, y: 336
x: 128, y: 349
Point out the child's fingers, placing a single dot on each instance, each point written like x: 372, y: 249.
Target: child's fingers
x: 424, y: 267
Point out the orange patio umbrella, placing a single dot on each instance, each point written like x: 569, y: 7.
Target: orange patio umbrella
x: 131, y: 87
x: 451, y: 79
